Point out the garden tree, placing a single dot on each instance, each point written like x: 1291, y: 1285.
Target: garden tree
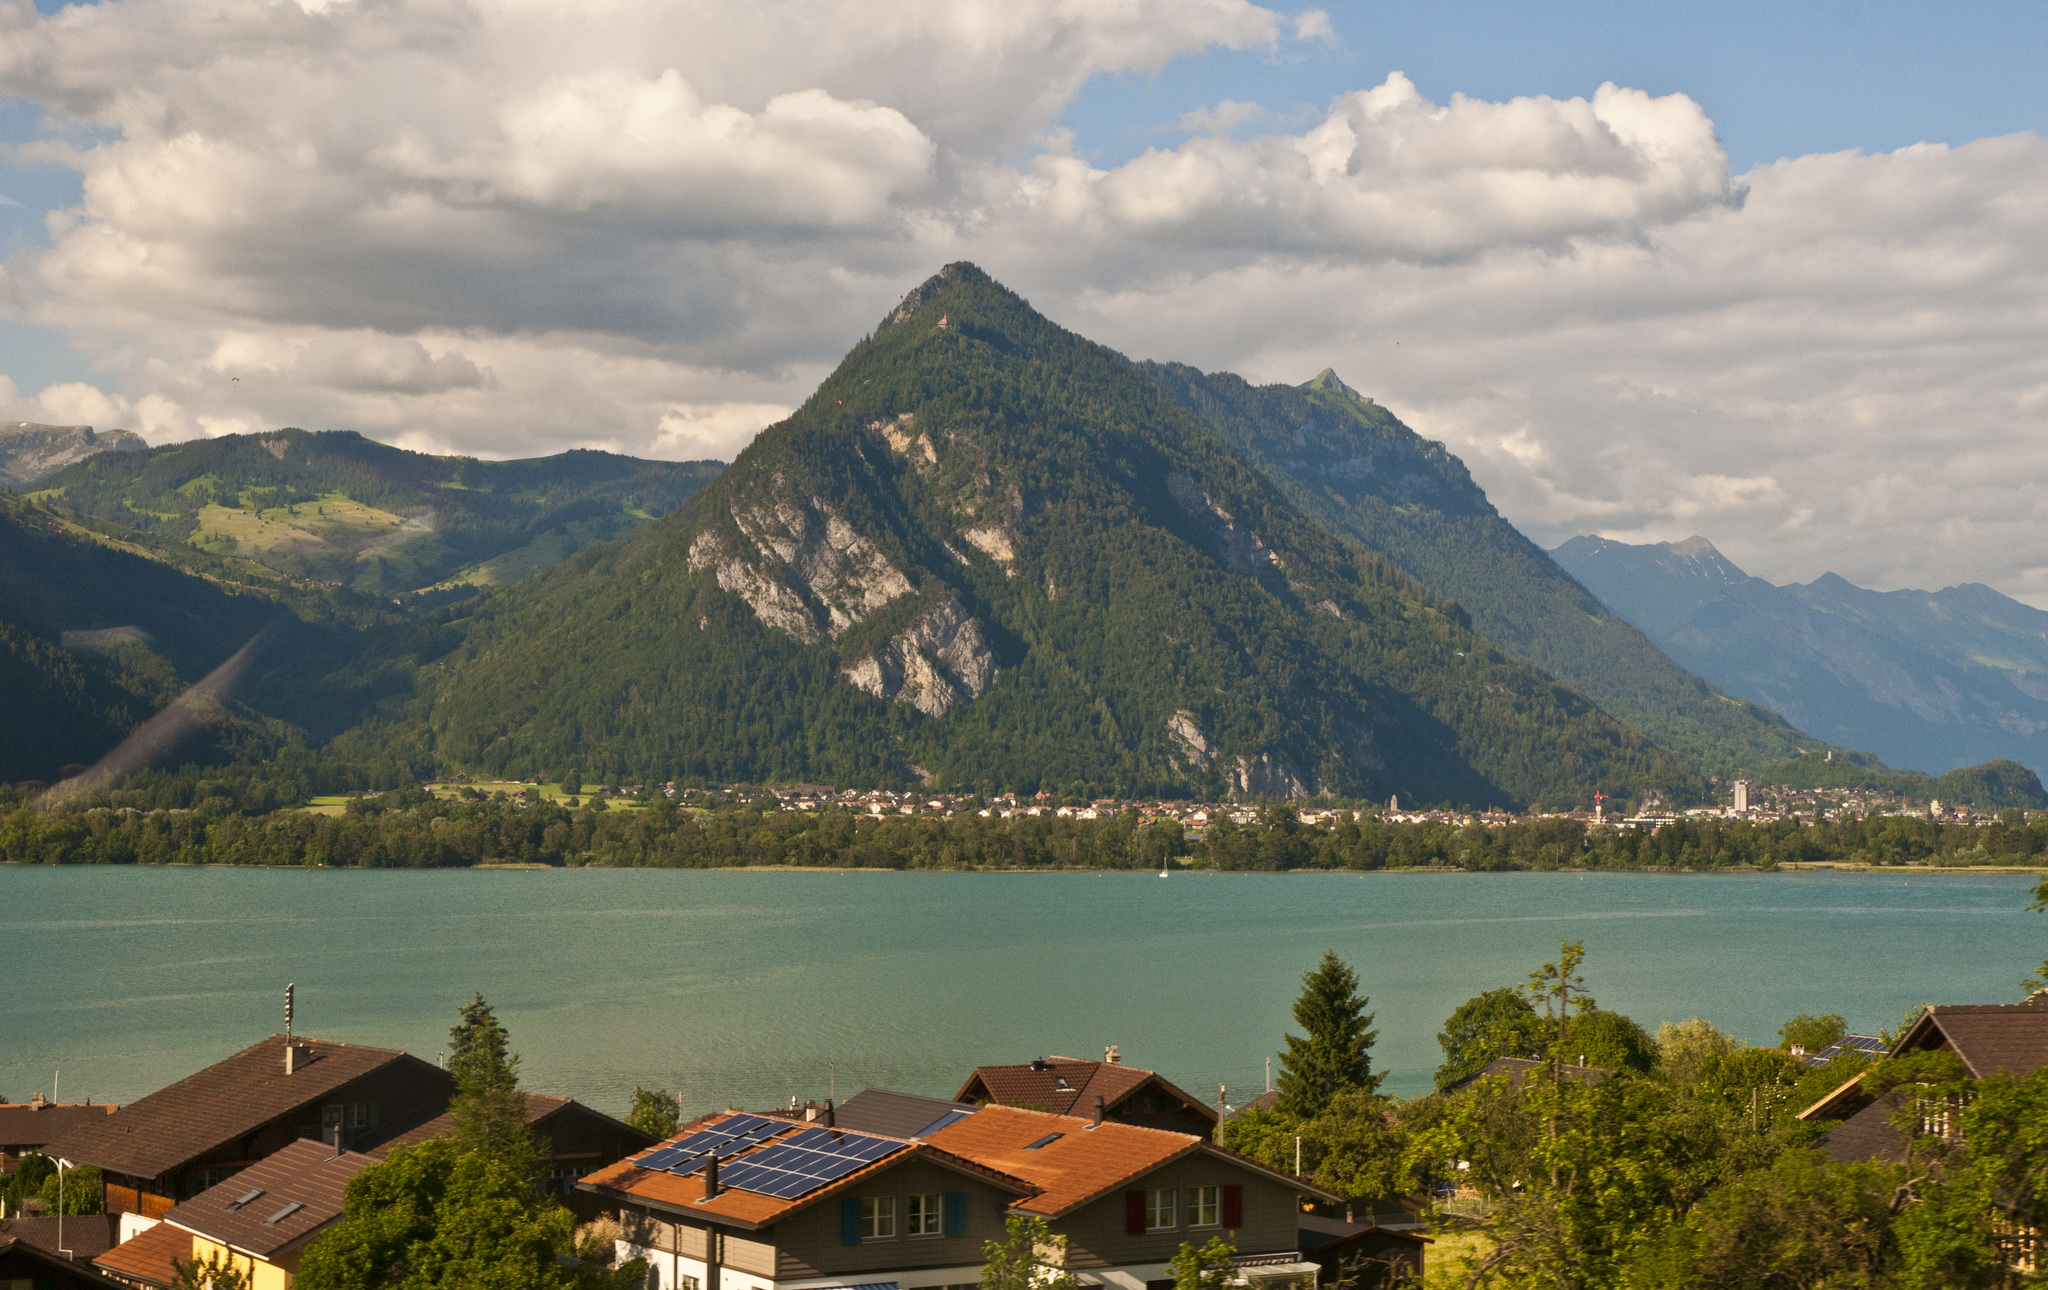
x: 219, y: 1270
x: 1029, y: 1257
x: 1203, y: 1267
x: 488, y: 1109
x: 1684, y: 1046
x: 1336, y: 1051
x: 26, y: 1182
x: 1812, y: 1033
x: 1498, y: 1023
x: 435, y: 1215
x: 1597, y: 1037
x: 1356, y: 1147
x: 1802, y: 1221
x: 79, y: 1191
x: 655, y: 1112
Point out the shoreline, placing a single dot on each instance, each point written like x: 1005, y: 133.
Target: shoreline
x: 1787, y: 868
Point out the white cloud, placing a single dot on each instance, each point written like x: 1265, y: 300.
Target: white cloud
x: 478, y: 226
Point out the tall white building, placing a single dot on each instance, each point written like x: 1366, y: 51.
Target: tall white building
x: 1742, y: 788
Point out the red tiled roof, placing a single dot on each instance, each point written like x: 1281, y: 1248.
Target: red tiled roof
x: 306, y: 1178
x: 228, y: 1100
x: 27, y: 1124
x: 148, y: 1257
x: 1085, y: 1161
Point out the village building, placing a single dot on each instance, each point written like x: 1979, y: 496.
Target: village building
x: 177, y: 1142
x: 30, y: 1126
x: 25, y: 1265
x: 574, y: 1141
x: 753, y: 1202
x: 1074, y: 1086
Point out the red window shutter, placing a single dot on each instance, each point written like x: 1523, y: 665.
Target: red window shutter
x: 1233, y: 1205
x: 1134, y: 1213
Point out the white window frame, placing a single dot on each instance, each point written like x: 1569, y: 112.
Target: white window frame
x: 925, y: 1214
x: 1205, y: 1206
x: 878, y: 1218
x: 1162, y: 1209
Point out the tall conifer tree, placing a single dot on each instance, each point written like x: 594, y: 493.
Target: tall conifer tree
x: 489, y: 1110
x: 1336, y: 1052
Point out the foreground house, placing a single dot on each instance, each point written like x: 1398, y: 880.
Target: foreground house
x: 262, y: 1219
x: 804, y: 1205
x: 27, y: 1266
x: 1989, y: 1038
x: 1074, y: 1086
x: 178, y: 1141
x: 574, y: 1139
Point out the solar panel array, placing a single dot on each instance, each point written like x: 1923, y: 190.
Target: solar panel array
x: 727, y: 1138
x: 802, y: 1164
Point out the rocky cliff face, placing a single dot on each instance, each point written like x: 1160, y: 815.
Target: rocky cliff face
x: 29, y: 451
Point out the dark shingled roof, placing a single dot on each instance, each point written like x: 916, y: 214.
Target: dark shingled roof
x: 29, y: 1124
x: 1989, y: 1037
x: 306, y: 1178
x: 50, y: 1269
x: 228, y: 1100
x: 894, y: 1115
x: 86, y: 1236
x: 1067, y: 1085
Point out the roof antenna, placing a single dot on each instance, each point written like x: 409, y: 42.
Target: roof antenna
x: 289, y: 1053
x: 831, y: 1080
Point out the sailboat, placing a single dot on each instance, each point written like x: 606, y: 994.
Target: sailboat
x: 1162, y: 867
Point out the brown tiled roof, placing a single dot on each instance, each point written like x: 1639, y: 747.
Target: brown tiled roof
x: 25, y: 1124
x: 148, y: 1257
x: 539, y: 1106
x: 86, y: 1236
x: 229, y: 1099
x: 1869, y: 1134
x: 306, y: 1178
x: 1989, y: 1037
x: 67, y: 1272
x: 1068, y: 1085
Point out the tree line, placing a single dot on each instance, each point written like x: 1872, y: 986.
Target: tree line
x: 204, y: 818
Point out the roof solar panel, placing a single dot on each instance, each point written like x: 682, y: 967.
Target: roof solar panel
x: 806, y: 1162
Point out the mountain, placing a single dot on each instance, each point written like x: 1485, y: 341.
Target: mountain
x: 1931, y: 680
x: 29, y: 451
x: 988, y: 552
x: 1350, y: 463
x: 338, y: 508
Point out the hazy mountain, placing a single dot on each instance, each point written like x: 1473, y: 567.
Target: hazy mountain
x: 1931, y: 680
x: 990, y: 552
x: 1352, y: 464
x: 336, y: 507
x: 29, y: 451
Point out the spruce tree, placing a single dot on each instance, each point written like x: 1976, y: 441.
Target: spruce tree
x: 1336, y: 1053
x: 488, y: 1109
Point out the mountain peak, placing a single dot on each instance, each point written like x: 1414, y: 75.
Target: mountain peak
x: 1694, y: 547
x: 1327, y: 379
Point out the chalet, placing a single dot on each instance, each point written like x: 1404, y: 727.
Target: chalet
x: 32, y: 1125
x: 1074, y: 1086
x: 181, y: 1140
x: 575, y: 1141
x: 262, y: 1219
x: 1361, y: 1256
x: 752, y: 1202
x: 79, y: 1237
x: 1988, y: 1038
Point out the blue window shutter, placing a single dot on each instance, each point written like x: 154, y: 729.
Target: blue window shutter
x: 956, y: 1213
x: 849, y: 1221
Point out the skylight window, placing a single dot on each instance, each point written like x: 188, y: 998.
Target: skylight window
x: 283, y: 1214
x: 1048, y: 1138
x: 245, y: 1198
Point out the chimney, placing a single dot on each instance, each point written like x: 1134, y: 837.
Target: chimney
x: 711, y: 1175
x: 291, y: 1056
x: 831, y: 1116
x: 1113, y: 1055
x: 338, y: 1152
x: 810, y: 1111
x: 1098, y: 1111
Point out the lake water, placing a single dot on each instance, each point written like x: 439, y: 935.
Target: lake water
x: 749, y: 988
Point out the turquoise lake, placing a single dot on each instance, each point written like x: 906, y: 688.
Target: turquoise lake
x: 748, y: 988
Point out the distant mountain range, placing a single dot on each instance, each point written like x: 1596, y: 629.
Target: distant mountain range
x: 1929, y: 680
x: 1350, y: 463
x: 29, y: 450
x: 336, y: 507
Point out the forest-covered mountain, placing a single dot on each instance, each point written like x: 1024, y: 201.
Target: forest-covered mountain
x: 988, y: 552
x: 30, y: 450
x: 1352, y: 464
x: 1931, y: 680
x: 338, y: 508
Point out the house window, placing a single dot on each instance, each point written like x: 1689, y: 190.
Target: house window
x: 688, y: 1282
x: 1160, y: 1203
x: 877, y: 1218
x: 1205, y: 1206
x: 924, y: 1215
x: 358, y: 1115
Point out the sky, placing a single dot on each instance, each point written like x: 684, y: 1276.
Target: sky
x: 1772, y: 274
